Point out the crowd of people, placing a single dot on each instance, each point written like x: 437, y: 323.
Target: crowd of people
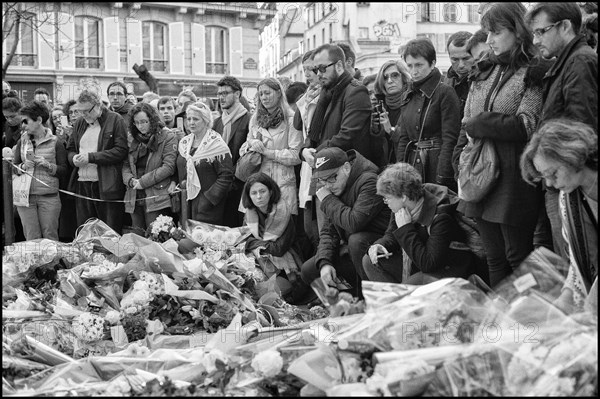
x: 343, y: 177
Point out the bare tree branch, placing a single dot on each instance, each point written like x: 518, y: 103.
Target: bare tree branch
x: 13, y: 49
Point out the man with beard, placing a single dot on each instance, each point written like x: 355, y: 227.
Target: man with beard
x: 462, y: 63
x: 117, y: 96
x: 342, y: 117
x: 233, y: 127
x: 570, y: 86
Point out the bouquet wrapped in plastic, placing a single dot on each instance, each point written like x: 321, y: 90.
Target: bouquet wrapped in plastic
x: 446, y: 312
x: 20, y: 260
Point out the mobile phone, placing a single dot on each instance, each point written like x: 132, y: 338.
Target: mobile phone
x: 180, y: 123
x: 64, y: 121
x: 380, y: 108
x: 29, y: 155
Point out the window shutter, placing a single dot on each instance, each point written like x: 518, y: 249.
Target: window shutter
x: 112, y: 53
x: 198, y: 49
x: 177, y: 61
x: 134, y: 43
x: 235, y: 50
x: 46, y: 50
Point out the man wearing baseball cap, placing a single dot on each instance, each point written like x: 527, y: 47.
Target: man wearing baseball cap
x: 355, y: 216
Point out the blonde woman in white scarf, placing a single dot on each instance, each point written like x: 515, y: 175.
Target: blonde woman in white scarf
x: 204, y: 166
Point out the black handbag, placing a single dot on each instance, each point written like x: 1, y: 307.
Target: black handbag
x: 248, y: 164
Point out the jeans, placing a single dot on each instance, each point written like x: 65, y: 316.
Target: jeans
x: 140, y: 218
x: 348, y: 266
x: 40, y: 218
x: 385, y: 270
x: 111, y: 213
x: 505, y: 246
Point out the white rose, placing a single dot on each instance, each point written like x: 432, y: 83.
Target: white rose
x: 216, y: 238
x: 267, y: 363
x: 195, y: 266
x: 112, y: 316
x: 131, y: 310
x: 230, y: 237
x: 199, y: 236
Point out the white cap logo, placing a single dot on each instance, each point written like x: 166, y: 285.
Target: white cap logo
x: 320, y: 162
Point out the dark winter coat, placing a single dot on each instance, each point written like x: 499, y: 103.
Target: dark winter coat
x: 427, y: 240
x: 441, y: 122
x: 215, y: 179
x: 112, y: 151
x: 514, y: 116
x: 347, y: 122
x: 460, y: 86
x: 159, y: 171
x: 358, y: 208
x: 571, y: 85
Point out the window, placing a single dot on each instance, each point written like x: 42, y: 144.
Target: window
x: 88, y: 45
x: 315, y: 41
x: 308, y: 44
x: 437, y: 39
x: 363, y: 33
x: 25, y: 54
x: 450, y: 12
x: 154, y: 36
x: 473, y: 15
x: 217, y: 50
x: 427, y: 11
x: 330, y: 33
x: 323, y: 35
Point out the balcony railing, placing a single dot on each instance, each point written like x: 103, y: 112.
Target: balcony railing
x: 217, y: 68
x: 89, y: 62
x: 156, y: 65
x: 28, y: 60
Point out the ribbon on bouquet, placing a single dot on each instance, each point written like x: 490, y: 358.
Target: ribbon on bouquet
x: 177, y: 189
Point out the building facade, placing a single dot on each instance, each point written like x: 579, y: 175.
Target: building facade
x: 183, y: 45
x: 377, y: 31
x: 280, y: 39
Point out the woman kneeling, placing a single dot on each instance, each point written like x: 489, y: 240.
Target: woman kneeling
x: 423, y: 241
x: 273, y: 234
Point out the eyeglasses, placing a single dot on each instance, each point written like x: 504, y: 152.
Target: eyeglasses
x: 224, y: 93
x: 549, y: 176
x: 56, y: 117
x: 393, y: 75
x: 539, y: 32
x: 87, y: 111
x: 116, y: 94
x: 330, y: 179
x: 322, y: 68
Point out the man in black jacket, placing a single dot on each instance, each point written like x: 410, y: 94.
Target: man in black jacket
x: 233, y: 126
x: 117, y: 96
x: 97, y: 149
x: 571, y: 84
x: 462, y: 63
x: 342, y: 117
x: 355, y: 216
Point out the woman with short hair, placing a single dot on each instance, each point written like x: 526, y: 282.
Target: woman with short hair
x: 204, y: 166
x: 43, y: 155
x: 564, y: 153
x: 429, y: 120
x: 150, y: 166
x: 423, y: 241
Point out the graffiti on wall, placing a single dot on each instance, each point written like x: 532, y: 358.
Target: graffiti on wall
x: 386, y: 31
